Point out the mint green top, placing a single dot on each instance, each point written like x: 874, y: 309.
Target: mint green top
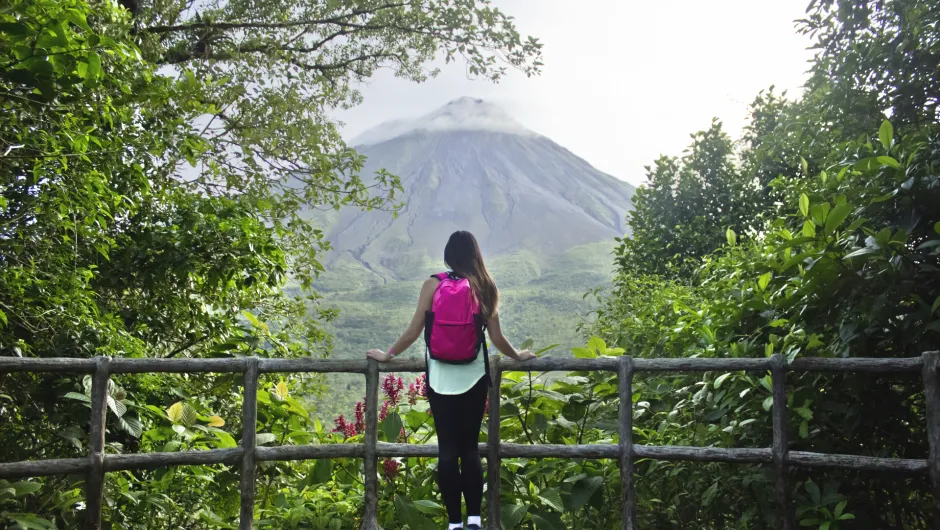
x: 452, y: 379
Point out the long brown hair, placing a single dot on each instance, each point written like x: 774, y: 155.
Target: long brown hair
x: 462, y: 254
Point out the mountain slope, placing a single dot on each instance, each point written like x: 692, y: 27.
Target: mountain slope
x: 469, y: 166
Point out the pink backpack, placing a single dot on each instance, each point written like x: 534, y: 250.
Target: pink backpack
x: 453, y: 328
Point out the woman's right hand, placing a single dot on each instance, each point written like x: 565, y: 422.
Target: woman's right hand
x: 379, y: 355
x: 525, y: 355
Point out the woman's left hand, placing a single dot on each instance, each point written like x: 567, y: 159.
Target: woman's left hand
x: 379, y: 355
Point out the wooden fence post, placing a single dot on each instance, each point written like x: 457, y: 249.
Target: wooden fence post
x: 625, y: 375
x: 492, y: 446
x: 781, y: 442
x: 370, y: 463
x: 94, y: 485
x: 248, y: 443
x: 932, y: 398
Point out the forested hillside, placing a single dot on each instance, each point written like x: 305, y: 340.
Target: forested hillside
x: 125, y: 231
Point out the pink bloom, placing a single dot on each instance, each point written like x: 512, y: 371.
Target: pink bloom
x: 392, y: 388
x: 384, y: 412
x: 422, y: 385
x: 348, y: 429
x: 412, y: 394
x: 360, y: 417
x: 340, y: 423
x: 391, y: 469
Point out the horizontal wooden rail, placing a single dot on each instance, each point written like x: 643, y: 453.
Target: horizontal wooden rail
x: 284, y: 453
x: 875, y: 366
x: 247, y: 454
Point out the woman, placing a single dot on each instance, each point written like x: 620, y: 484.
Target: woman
x: 457, y: 389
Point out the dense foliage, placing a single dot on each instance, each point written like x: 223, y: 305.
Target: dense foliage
x: 157, y: 159
x: 824, y: 242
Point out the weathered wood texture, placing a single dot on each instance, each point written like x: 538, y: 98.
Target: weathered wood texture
x: 780, y: 442
x: 44, y: 468
x: 231, y: 457
x: 932, y: 397
x: 370, y: 464
x: 493, y: 448
x: 542, y: 364
x: 248, y: 444
x: 625, y: 382
x: 744, y: 455
x: 311, y: 452
x: 96, y: 464
x: 94, y: 484
x: 861, y: 463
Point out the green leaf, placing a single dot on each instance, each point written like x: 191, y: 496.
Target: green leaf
x: 809, y: 229
x: 935, y: 306
x: 721, y: 379
x: 861, y: 252
x: 226, y: 440
x: 936, y: 228
x: 512, y: 515
x: 552, y: 498
x: 764, y: 281
x: 836, y: 216
x: 886, y: 134
x: 732, y: 237
x: 412, y: 517
x: 768, y: 403
x: 545, y: 349
x: 428, y: 506
x: 78, y: 397
x: 322, y: 472
x: 582, y: 491
x: 30, y: 522
x: 25, y: 488
x: 888, y: 161
x: 94, y: 66
x: 131, y: 425
x: 189, y: 415
x: 547, y: 521
x: 264, y: 438
x: 583, y: 353
x: 813, y: 491
x: 3, y: 317
x: 804, y: 204
x: 175, y: 412
x: 78, y: 18
x: 840, y: 508
x: 391, y: 426
x: 526, y: 344
x: 804, y: 429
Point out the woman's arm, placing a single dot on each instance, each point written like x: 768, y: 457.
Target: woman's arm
x: 503, y: 345
x: 414, y: 329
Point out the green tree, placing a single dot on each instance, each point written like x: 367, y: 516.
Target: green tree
x: 155, y: 164
x: 687, y: 207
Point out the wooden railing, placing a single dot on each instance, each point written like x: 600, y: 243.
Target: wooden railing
x: 97, y: 463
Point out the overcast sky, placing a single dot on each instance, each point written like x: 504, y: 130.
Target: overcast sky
x: 624, y: 81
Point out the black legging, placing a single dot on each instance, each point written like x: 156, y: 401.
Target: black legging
x: 458, y: 419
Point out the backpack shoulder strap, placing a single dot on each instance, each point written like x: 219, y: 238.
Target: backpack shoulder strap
x: 441, y: 276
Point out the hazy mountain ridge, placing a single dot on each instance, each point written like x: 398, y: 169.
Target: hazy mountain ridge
x: 470, y: 166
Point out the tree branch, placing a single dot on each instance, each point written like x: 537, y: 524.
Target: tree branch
x: 157, y: 30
